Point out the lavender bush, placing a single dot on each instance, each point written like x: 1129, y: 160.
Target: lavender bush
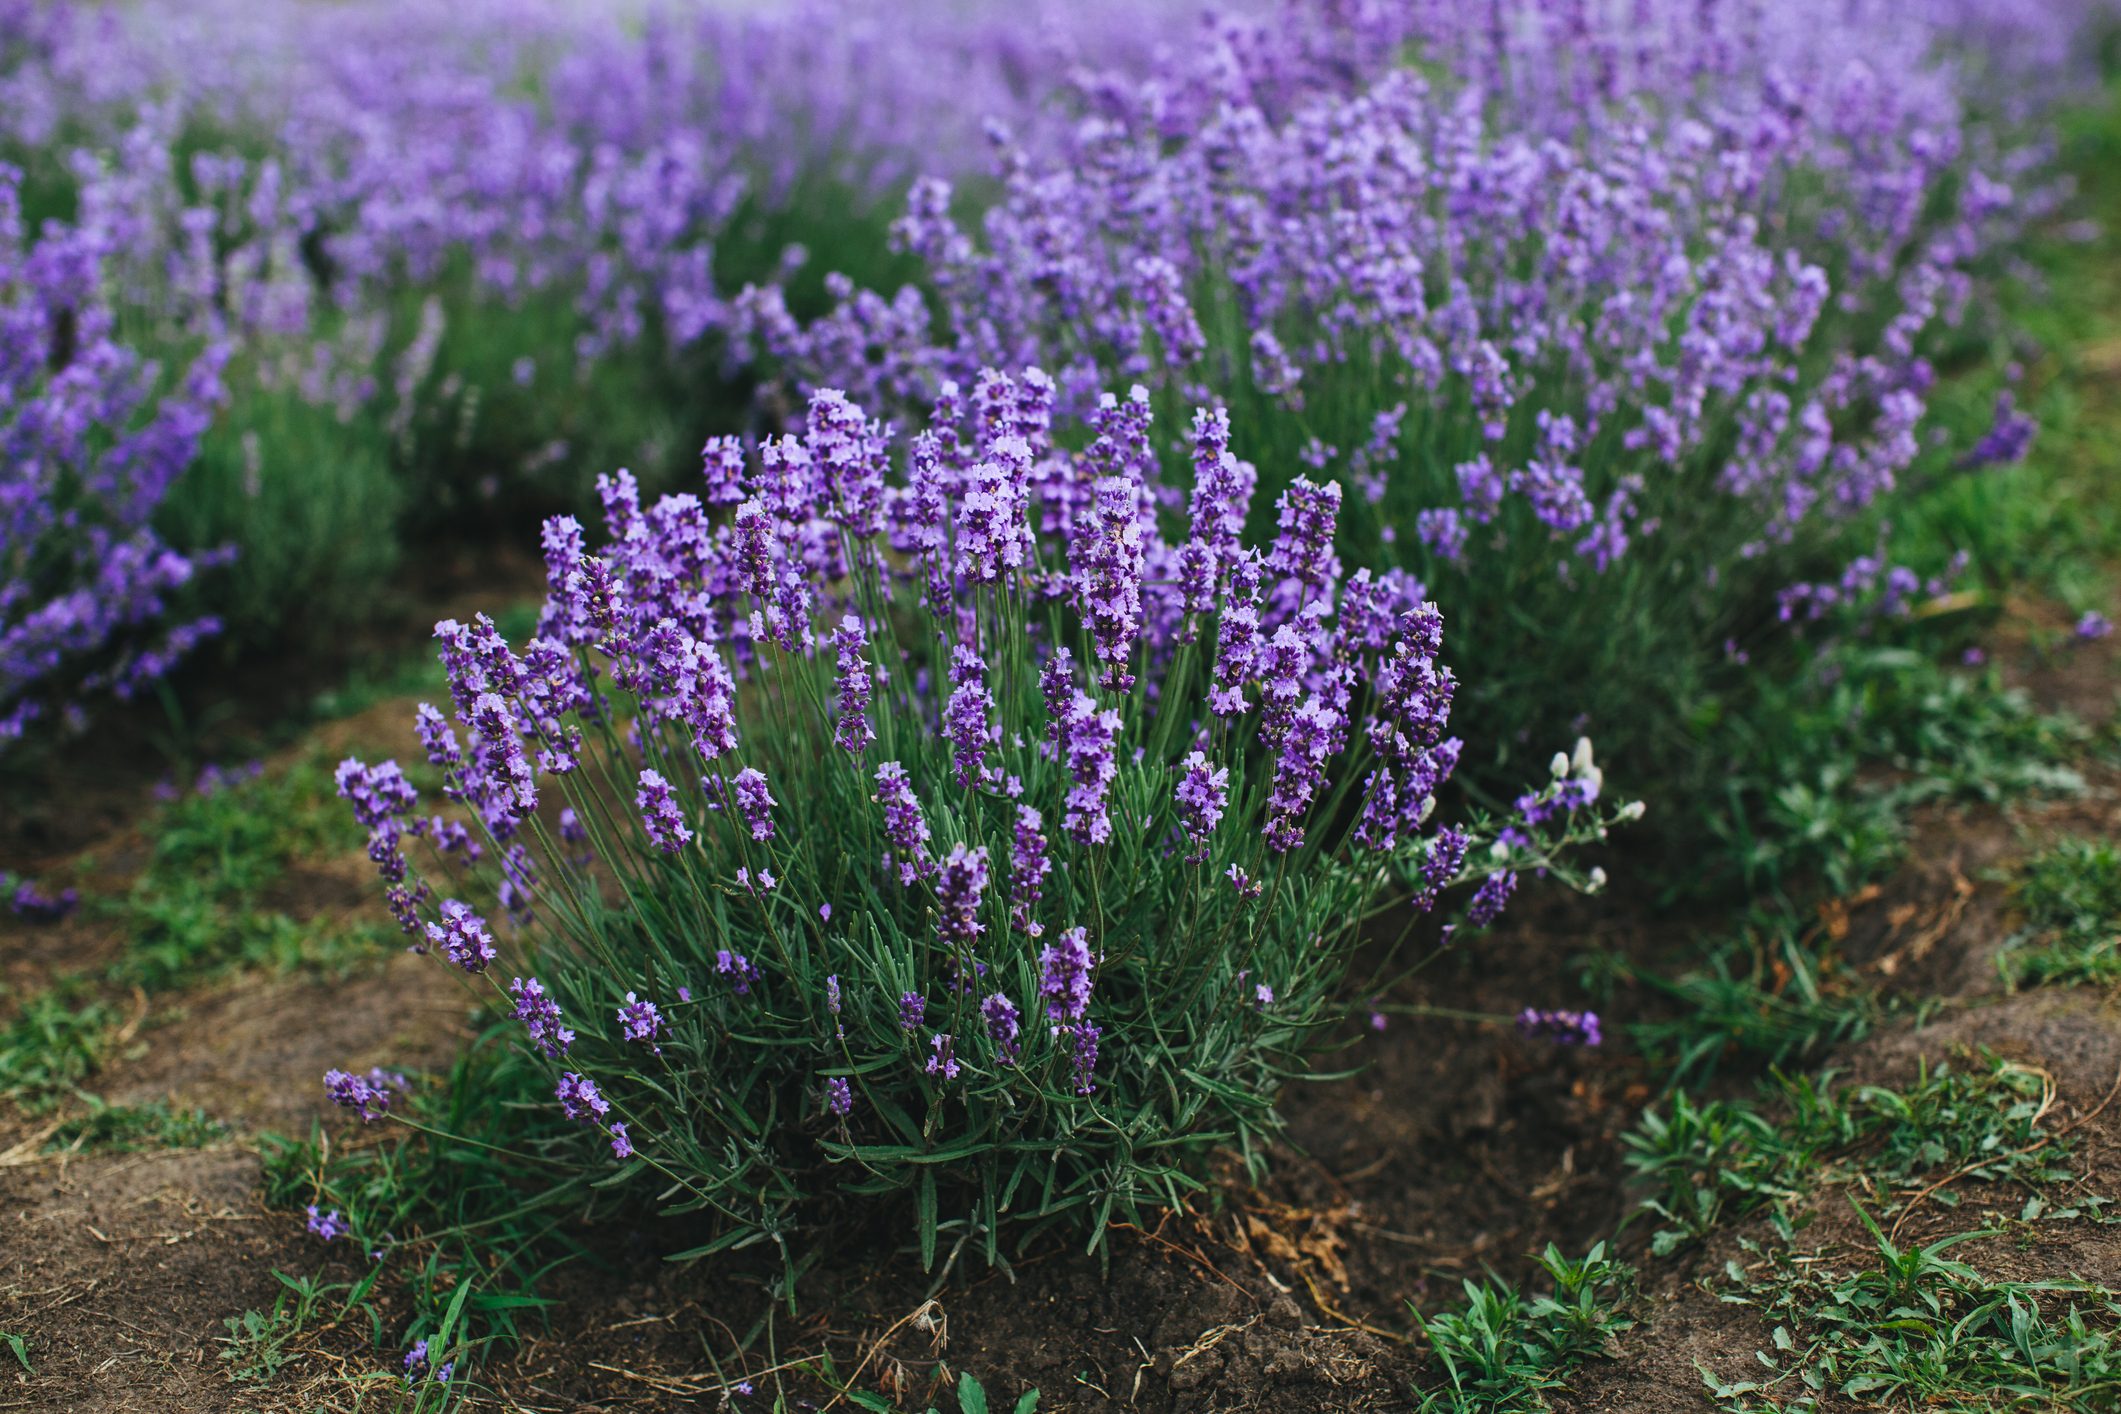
x: 86, y: 456
x: 1616, y: 323
x: 977, y: 819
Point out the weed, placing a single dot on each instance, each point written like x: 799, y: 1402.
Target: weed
x: 19, y: 1348
x: 1918, y: 1328
x: 52, y: 1044
x: 1501, y: 1352
x: 122, y: 1128
x: 202, y: 902
x: 971, y: 1399
x: 2071, y: 896
x: 261, y: 1343
x: 1727, y: 1159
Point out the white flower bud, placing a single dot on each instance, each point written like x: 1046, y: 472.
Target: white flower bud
x: 1632, y: 810
x: 1583, y: 755
x: 1428, y: 803
x: 1498, y: 850
x: 1559, y: 765
x: 1594, y: 775
x: 1597, y: 879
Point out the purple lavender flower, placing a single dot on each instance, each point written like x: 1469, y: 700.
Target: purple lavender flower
x: 723, y: 467
x: 579, y: 1099
x: 1262, y: 996
x: 912, y: 1011
x: 944, y: 1061
x: 38, y: 907
x: 1565, y: 1028
x: 621, y: 1147
x: 737, y: 968
x: 1028, y: 866
x: 1085, y: 1057
x: 660, y: 814
x: 1202, y: 796
x: 1004, y: 1023
x: 1299, y: 773
x: 904, y: 827
x: 965, y: 717
x: 1303, y: 550
x: 2007, y: 439
x: 754, y: 802
x: 2094, y: 625
x: 641, y: 1021
x: 1489, y: 899
x: 958, y: 887
x: 832, y: 1002
x: 1247, y: 887
x: 571, y: 828
x: 416, y: 1359
x: 1091, y: 735
x: 462, y: 937
x: 329, y: 1227
x: 369, y: 1099
x: 1064, y: 976
x: 839, y: 1096
x: 855, y: 682
x: 540, y: 1016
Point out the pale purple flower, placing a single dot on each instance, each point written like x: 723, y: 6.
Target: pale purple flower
x: 904, y: 826
x: 1064, y: 975
x: 1247, y: 887
x: 912, y: 1011
x: 641, y: 1021
x: 737, y: 968
x: 856, y: 681
x: 1489, y: 899
x: 1091, y: 735
x: 39, y: 907
x: 832, y: 1002
x: 621, y: 1147
x: 1085, y: 1057
x: 579, y: 1099
x: 2093, y: 625
x: 944, y: 1061
x: 1303, y: 549
x: 1202, y: 796
x: 839, y: 1096
x: 1262, y: 996
x: 354, y: 1092
x: 958, y: 887
x: 1299, y: 773
x: 660, y: 814
x: 754, y: 802
x: 1029, y: 864
x: 1003, y: 1025
x: 540, y: 1015
x: 965, y: 716
x: 329, y: 1227
x: 1566, y: 1028
x: 462, y: 937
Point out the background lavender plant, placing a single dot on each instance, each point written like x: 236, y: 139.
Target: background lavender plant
x: 1616, y: 324
x: 1019, y: 971
x: 86, y: 457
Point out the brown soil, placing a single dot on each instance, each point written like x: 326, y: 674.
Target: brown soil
x: 1456, y: 1148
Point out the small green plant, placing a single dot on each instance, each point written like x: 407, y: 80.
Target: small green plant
x: 258, y: 1341
x: 1500, y: 1353
x: 206, y: 898
x: 2071, y: 896
x: 1917, y: 1328
x: 19, y: 1348
x: 123, y: 1128
x: 971, y: 1399
x: 1728, y: 1159
x: 52, y: 1043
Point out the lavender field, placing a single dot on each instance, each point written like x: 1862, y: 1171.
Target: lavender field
x: 1323, y: 705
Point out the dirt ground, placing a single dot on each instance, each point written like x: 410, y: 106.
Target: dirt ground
x: 1457, y: 1149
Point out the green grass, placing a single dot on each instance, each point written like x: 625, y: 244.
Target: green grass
x: 1501, y: 1353
x: 2070, y: 894
x: 1916, y: 1328
x: 1710, y: 1164
x: 204, y: 900
x: 54, y: 1042
x: 110, y: 1128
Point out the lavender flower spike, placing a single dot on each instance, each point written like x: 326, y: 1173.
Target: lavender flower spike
x: 1064, y: 976
x: 754, y: 802
x: 903, y: 825
x: 1202, y: 797
x: 856, y: 680
x: 1565, y: 1028
x: 660, y: 814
